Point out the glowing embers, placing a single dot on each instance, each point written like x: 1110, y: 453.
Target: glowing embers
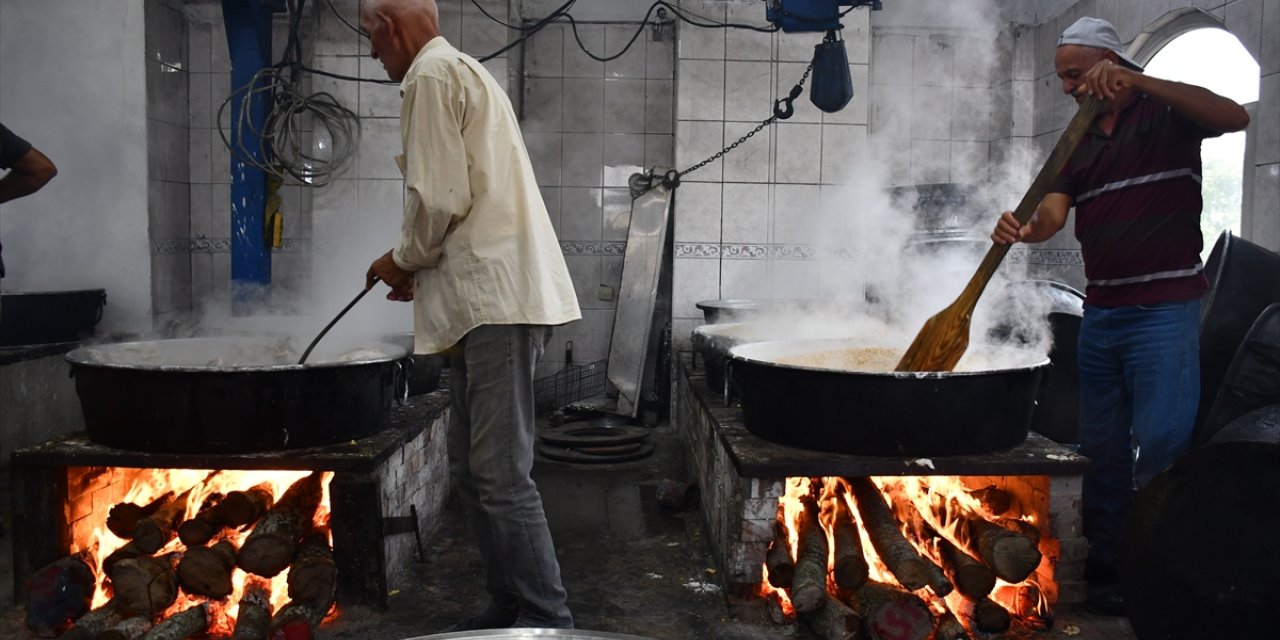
x: 199, y: 551
x: 910, y: 557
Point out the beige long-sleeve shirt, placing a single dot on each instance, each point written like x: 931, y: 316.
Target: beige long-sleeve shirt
x: 475, y: 230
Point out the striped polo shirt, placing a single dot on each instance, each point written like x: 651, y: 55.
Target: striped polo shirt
x: 1137, y: 199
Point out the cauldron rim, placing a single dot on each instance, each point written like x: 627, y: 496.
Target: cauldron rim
x: 82, y: 357
x: 746, y: 353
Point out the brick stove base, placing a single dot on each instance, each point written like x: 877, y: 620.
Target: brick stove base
x: 379, y: 483
x: 742, y: 476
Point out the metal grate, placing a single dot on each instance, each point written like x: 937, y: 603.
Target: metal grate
x: 572, y: 383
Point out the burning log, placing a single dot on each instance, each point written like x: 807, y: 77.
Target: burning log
x: 1012, y: 556
x: 995, y: 500
x: 236, y: 509
x: 128, y: 550
x: 313, y: 577
x: 849, y: 568
x: 949, y: 628
x: 254, y: 620
x: 157, y: 529
x: 972, y: 578
x: 270, y: 547
x: 183, y: 624
x: 297, y: 620
x: 912, y: 570
x: 127, y: 629
x: 206, y: 571
x: 58, y: 594
x: 93, y: 623
x: 835, y: 621
x: 777, y: 559
x: 1020, y: 527
x: 809, y: 588
x: 124, y: 517
x: 984, y: 615
x: 916, y: 529
x: 146, y: 584
x: 889, y: 612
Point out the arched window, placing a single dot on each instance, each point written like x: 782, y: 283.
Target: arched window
x: 1215, y: 59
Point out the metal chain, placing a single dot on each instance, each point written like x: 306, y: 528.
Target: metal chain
x: 779, y: 112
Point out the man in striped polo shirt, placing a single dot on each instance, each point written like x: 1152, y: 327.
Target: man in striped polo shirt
x: 1135, y: 184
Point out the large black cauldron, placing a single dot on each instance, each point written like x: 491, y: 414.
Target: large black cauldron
x: 233, y: 395
x: 46, y: 317
x: 889, y: 413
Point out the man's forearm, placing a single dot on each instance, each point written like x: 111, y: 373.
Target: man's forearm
x: 16, y: 185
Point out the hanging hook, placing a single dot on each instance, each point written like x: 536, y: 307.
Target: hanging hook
x: 783, y: 108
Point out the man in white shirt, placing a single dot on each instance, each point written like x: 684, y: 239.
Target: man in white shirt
x: 480, y: 260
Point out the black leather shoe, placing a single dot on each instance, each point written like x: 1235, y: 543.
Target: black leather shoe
x: 1105, y: 600
x: 493, y: 617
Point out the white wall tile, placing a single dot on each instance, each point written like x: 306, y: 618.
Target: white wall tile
x: 795, y: 157
x: 857, y: 35
x: 551, y: 198
x: 1268, y: 115
x: 891, y: 111
x: 751, y: 161
x: 201, y: 155
x: 583, y: 105
x: 658, y: 151
x: 199, y: 46
x: 624, y: 105
x: 707, y: 44
x: 577, y: 64
x: 200, y: 97
x: 332, y: 37
x: 744, y: 279
x: 1022, y: 108
x: 660, y: 60
x: 797, y: 47
x: 659, y: 106
x: 971, y: 110
x: 1266, y: 202
x: 970, y: 161
x: 623, y: 155
x: 744, y: 44
x: 632, y: 63
x: 201, y: 211
x: 543, y: 103
x: 450, y: 21
x: 698, y: 207
x: 793, y: 278
x: 378, y: 100
x: 380, y: 207
x: 795, y: 212
x: 617, y: 214
x: 891, y: 59
x: 844, y: 151
x: 586, y: 273
x: 931, y: 112
x: 701, y: 90
x: 694, y: 280
x: 930, y: 161
x: 220, y: 211
x: 379, y: 145
x: 581, y: 214
x: 480, y: 35
x: 745, y: 213
x: 544, y: 53
x: 1270, y: 58
x: 748, y: 90
x: 545, y: 155
x: 695, y: 142
x: 582, y: 160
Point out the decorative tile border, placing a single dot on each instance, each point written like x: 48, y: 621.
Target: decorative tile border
x: 167, y: 246
x: 575, y: 248
x: 1053, y: 257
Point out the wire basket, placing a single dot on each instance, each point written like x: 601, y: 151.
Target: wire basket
x: 572, y: 383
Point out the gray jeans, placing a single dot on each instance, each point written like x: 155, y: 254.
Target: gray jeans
x: 491, y: 438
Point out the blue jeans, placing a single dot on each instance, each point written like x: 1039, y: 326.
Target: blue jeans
x: 491, y: 438
x: 1139, y: 389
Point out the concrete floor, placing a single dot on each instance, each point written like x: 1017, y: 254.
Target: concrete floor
x: 630, y: 566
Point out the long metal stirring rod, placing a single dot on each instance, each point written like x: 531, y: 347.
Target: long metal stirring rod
x: 334, y: 321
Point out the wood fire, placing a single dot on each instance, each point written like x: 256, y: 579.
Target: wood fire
x: 244, y: 554
x: 907, y: 558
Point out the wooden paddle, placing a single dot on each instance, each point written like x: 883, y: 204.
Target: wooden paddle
x: 945, y: 336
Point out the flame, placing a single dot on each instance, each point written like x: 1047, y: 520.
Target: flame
x: 91, y: 533
x: 943, y: 502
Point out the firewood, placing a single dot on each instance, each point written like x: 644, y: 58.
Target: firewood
x: 206, y: 571
x: 124, y: 517
x: 254, y: 619
x: 919, y: 532
x: 995, y: 500
x: 905, y: 563
x: 809, y: 588
x: 183, y: 624
x: 273, y: 541
x: 146, y: 584
x: 157, y: 529
x: 313, y: 577
x: 93, y: 623
x: 1021, y: 527
x: 970, y: 576
x: 1010, y: 555
x: 296, y: 614
x: 245, y: 507
x: 128, y: 629
x: 59, y: 593
x: 835, y: 621
x: 890, y: 612
x: 849, y: 567
x: 777, y: 614
x: 126, y: 551
x: 949, y: 628
x: 983, y: 615
x: 201, y: 528
x: 777, y: 558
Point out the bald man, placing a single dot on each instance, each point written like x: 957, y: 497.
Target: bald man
x: 1134, y: 181
x: 479, y: 259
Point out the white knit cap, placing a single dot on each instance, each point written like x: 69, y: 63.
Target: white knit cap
x: 1099, y: 34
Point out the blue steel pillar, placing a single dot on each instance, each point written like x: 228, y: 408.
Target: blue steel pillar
x: 248, y: 25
